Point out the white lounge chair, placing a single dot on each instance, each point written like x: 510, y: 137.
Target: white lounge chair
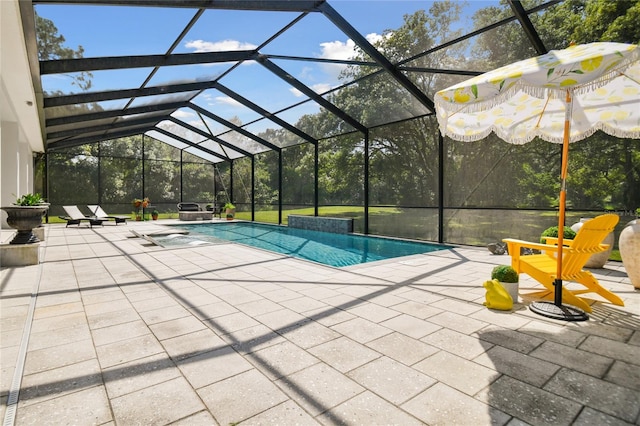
x: 75, y: 217
x: 101, y: 214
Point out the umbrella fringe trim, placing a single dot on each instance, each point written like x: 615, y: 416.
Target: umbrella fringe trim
x: 505, y: 135
x: 618, y: 133
x: 485, y: 133
x: 544, y: 92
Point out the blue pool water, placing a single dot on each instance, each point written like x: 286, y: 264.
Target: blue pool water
x: 322, y: 247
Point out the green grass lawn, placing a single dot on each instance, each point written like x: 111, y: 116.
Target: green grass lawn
x: 271, y: 216
x: 615, y: 255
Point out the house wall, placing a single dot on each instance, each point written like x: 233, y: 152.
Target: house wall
x: 16, y: 165
x: 20, y: 129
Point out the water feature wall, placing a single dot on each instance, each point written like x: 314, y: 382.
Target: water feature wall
x: 337, y: 225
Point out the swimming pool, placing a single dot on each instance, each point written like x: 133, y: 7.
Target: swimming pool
x: 322, y: 247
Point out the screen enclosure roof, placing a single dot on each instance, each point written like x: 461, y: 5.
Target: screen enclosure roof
x: 230, y: 79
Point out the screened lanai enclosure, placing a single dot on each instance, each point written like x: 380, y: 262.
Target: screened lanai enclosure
x: 312, y: 107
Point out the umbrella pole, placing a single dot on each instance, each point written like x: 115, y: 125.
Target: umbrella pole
x: 563, y: 200
x: 556, y: 309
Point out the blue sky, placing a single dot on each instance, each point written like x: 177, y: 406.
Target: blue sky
x: 122, y: 31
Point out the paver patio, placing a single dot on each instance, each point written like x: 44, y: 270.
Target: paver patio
x: 121, y: 331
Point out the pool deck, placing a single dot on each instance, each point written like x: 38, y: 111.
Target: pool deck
x: 122, y: 332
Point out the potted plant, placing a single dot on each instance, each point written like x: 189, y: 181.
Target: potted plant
x: 568, y: 234
x: 24, y: 215
x: 30, y: 200
x: 230, y: 209
x: 137, y: 203
x: 508, y: 278
x: 154, y: 214
x: 140, y: 205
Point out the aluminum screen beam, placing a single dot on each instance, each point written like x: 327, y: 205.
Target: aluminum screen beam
x: 527, y: 26
x: 263, y: 112
x: 110, y: 95
x: 439, y: 71
x: 234, y: 127
x: 95, y: 138
x: 368, y: 48
x: 61, y: 66
x: 152, y: 121
x: 191, y: 144
x: 175, y: 44
x: 208, y: 136
x: 113, y: 113
x: 323, y: 60
x: 266, y: 5
x: 310, y: 93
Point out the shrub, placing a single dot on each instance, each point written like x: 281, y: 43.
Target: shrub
x: 568, y: 234
x: 505, y: 274
x: 29, y: 200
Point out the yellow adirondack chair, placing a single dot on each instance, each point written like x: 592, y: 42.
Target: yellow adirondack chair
x: 543, y: 267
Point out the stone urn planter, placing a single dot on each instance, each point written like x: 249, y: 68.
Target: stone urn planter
x: 24, y: 219
x: 596, y: 260
x: 629, y: 244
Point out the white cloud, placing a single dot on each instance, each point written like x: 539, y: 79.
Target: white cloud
x: 342, y: 50
x: 196, y: 123
x: 201, y: 46
x: 189, y: 118
x: 183, y: 114
x: 318, y: 88
x: 321, y: 87
x: 226, y: 100
x: 373, y: 38
x: 337, y: 49
x: 219, y: 100
x: 208, y: 97
x: 306, y: 73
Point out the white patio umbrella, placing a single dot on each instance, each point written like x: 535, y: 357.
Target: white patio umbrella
x: 563, y: 96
